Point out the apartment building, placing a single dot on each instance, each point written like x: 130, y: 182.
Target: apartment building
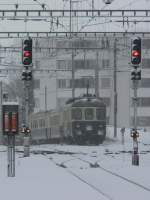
x: 101, y: 64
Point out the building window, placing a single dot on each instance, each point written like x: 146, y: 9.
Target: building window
x: 61, y: 64
x: 105, y: 43
x: 146, y: 43
x: 61, y: 101
x: 146, y: 63
x: 106, y: 100
x: 85, y: 64
x: 84, y: 43
x: 145, y: 83
x: 142, y: 102
x: 107, y: 120
x: 142, y: 121
x: 37, y: 64
x: 105, y: 63
x: 36, y: 84
x: 37, y: 103
x: 61, y: 83
x: 105, y: 83
x: 78, y: 83
x: 84, y: 82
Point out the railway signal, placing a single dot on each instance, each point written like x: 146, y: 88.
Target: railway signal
x: 136, y: 58
x: 10, y: 128
x: 27, y: 52
x: 25, y: 130
x: 136, y: 74
x: 135, y: 77
x: 107, y: 1
x: 10, y: 118
x: 136, y: 51
x: 24, y: 76
x: 27, y: 75
x: 134, y: 133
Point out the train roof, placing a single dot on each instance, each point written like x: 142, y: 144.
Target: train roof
x: 86, y: 102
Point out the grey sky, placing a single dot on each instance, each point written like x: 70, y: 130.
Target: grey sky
x: 104, y: 24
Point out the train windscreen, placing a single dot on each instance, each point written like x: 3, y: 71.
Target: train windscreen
x: 89, y: 114
x: 77, y: 114
x: 100, y: 114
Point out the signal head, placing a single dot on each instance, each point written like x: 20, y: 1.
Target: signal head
x: 136, y: 74
x: 27, y: 52
x: 27, y: 44
x: 136, y: 51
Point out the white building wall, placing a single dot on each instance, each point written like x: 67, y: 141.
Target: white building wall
x: 123, y: 100
x: 56, y: 95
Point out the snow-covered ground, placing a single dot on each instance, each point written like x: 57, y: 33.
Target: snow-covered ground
x: 64, y: 172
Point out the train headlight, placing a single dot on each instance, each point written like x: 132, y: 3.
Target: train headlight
x: 79, y: 132
x: 78, y: 126
x: 89, y: 128
x: 100, y: 132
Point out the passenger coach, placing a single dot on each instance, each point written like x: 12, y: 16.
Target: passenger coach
x: 81, y: 121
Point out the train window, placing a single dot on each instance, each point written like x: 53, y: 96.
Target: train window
x: 89, y: 114
x: 65, y: 115
x: 40, y: 123
x: 34, y: 123
x: 55, y: 120
x: 100, y: 114
x: 77, y: 114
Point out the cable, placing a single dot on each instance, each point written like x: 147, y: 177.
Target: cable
x: 91, y: 18
x: 129, y: 4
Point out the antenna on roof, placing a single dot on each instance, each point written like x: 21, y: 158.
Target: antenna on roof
x: 87, y: 89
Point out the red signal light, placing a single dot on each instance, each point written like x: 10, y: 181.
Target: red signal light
x: 6, y: 122
x: 14, y: 122
x: 135, y: 53
x: 27, y: 54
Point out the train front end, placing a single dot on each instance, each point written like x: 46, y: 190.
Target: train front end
x: 88, y: 121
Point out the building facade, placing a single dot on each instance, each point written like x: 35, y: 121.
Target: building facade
x: 101, y: 64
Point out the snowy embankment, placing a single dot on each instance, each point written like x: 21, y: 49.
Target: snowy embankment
x: 39, y: 179
x: 65, y: 172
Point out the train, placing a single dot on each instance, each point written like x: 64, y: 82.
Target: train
x: 81, y: 121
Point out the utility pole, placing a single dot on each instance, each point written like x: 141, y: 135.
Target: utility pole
x: 27, y: 78
x: 134, y: 133
x: 115, y: 87
x: 135, y: 77
x: 10, y: 112
x: 73, y: 74
x: 92, y: 4
x: 45, y: 95
x: 1, y: 101
x: 72, y: 55
x: 70, y: 18
x: 26, y: 136
x: 97, y: 75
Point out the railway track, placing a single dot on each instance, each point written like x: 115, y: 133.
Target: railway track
x: 80, y: 178
x: 115, y: 174
x: 74, y: 156
x: 97, y: 165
